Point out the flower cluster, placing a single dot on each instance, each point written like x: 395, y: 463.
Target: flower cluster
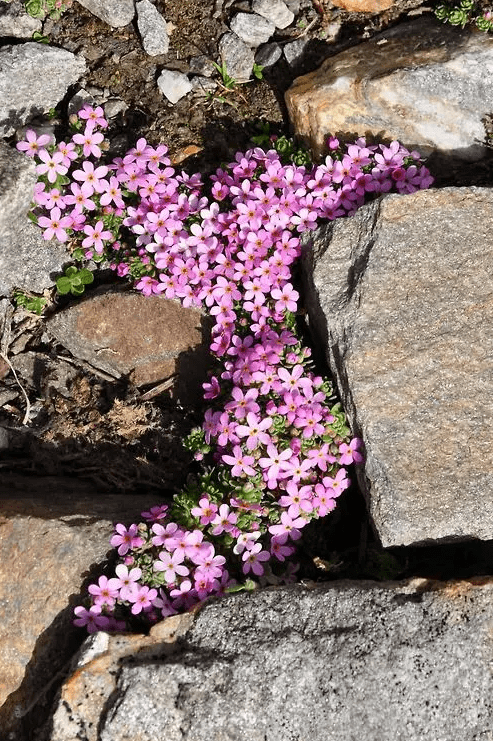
x: 274, y: 443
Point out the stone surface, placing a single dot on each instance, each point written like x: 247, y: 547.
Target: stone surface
x: 152, y: 28
x: 268, y: 54
x: 237, y: 56
x: 116, y: 13
x: 422, y: 82
x: 251, y: 28
x: 401, y: 294
x: 94, y: 680
x: 347, y: 660
x: 275, y: 11
x: 294, y: 51
x: 364, y: 6
x: 173, y: 85
x: 27, y: 261
x: 15, y: 22
x: 33, y: 79
x: 52, y: 531
x: 148, y: 338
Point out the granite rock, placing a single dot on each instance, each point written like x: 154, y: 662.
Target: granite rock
x: 52, y: 530
x: 252, y: 28
x: 27, y: 261
x: 346, y: 660
x: 147, y: 338
x: 33, y: 79
x: 422, y: 82
x: 15, y: 22
x: 237, y: 56
x: 275, y: 11
x: 116, y: 13
x: 152, y: 28
x: 401, y: 296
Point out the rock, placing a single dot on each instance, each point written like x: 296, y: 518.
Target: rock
x: 275, y: 11
x: 27, y: 261
x: 148, y: 338
x: 401, y: 295
x: 116, y: 13
x: 237, y: 56
x: 268, y: 54
x: 201, y: 65
x: 173, y: 85
x: 203, y: 85
x: 16, y: 23
x: 33, y: 79
x: 251, y: 28
x: 114, y: 107
x: 294, y: 51
x: 52, y: 531
x: 152, y: 28
x: 422, y: 82
x: 93, y: 680
x: 297, y: 663
x: 364, y: 6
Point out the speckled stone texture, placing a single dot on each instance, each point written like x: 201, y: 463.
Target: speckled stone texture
x: 401, y: 296
x: 52, y: 531
x: 423, y: 83
x: 147, y: 338
x: 337, y: 662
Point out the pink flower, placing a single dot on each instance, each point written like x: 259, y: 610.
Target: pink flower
x: 90, y: 177
x: 224, y: 521
x: 241, y: 463
x: 55, y: 225
x: 142, y: 599
x: 254, y: 431
x: 33, y: 143
x: 126, y: 540
x: 287, y: 527
x: 171, y: 564
x: 274, y: 464
x: 105, y: 591
x: 349, y: 453
x: 89, y: 141
x: 127, y: 580
x: 91, y: 619
x: 206, y: 511
x: 252, y: 559
x: 285, y: 299
x: 95, y: 236
x: 52, y: 165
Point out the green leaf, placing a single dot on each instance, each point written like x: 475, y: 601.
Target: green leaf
x: 86, y: 276
x: 77, y: 290
x: 63, y: 285
x: 71, y: 271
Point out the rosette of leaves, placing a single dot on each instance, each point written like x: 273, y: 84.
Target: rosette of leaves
x: 74, y: 281
x: 42, y: 8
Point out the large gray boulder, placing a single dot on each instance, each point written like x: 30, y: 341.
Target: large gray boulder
x: 401, y: 295
x: 349, y: 660
x: 27, y: 261
x: 33, y: 79
x: 422, y: 82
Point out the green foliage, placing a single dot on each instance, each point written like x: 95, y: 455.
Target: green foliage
x: 258, y: 71
x: 74, y: 281
x: 288, y: 149
x: 42, y: 8
x: 35, y: 304
x: 228, y: 82
x: 463, y: 13
x: 38, y: 36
